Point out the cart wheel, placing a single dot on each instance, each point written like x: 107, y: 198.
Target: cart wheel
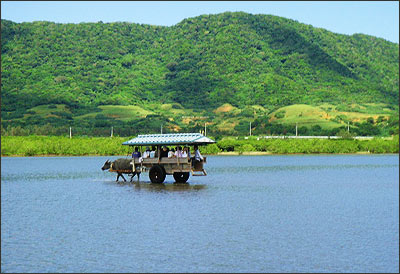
x: 181, y: 177
x: 157, y: 174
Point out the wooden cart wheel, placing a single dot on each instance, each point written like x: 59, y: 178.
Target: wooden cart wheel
x: 157, y: 174
x: 181, y: 177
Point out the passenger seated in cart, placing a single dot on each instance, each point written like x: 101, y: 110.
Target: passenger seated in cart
x: 153, y: 152
x: 178, y: 152
x: 180, y: 168
x: 146, y: 154
x: 171, y: 153
x: 136, y: 153
x: 197, y: 156
x: 164, y: 152
x: 186, y: 152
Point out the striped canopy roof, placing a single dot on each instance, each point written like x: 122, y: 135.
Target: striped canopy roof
x: 170, y: 139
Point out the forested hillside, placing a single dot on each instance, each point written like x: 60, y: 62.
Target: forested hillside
x: 68, y: 74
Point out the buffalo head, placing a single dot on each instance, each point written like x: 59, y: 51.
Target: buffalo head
x: 106, y: 165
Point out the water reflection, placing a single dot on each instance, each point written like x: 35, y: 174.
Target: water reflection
x: 169, y: 187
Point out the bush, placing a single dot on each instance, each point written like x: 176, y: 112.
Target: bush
x: 227, y: 144
x: 210, y: 149
x: 246, y: 148
x: 345, y: 134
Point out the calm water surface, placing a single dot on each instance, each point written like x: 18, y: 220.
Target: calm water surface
x: 250, y: 214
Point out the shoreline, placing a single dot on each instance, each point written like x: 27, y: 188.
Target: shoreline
x: 231, y: 153
x: 258, y: 153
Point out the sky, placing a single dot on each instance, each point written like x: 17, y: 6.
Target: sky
x: 377, y: 18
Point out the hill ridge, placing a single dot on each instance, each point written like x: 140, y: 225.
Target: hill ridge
x: 202, y: 63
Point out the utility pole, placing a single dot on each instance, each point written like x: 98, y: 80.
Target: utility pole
x: 250, y: 128
x: 70, y: 132
x: 296, y: 129
x: 348, y: 126
x: 112, y: 129
x: 205, y: 129
x: 161, y: 129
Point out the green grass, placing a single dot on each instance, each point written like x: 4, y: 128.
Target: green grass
x: 328, y: 116
x: 125, y: 112
x: 227, y: 108
x: 172, y: 110
x: 119, y: 112
x: 305, y: 115
x: 369, y: 108
x: 46, y: 110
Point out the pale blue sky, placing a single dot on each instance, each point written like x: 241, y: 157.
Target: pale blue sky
x: 377, y: 18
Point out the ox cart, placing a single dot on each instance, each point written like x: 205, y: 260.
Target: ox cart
x: 158, y: 167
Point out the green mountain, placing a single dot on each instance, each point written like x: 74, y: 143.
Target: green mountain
x: 231, y: 68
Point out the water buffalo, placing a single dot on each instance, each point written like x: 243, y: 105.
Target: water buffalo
x: 121, y: 166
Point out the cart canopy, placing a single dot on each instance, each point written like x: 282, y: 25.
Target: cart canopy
x: 170, y: 139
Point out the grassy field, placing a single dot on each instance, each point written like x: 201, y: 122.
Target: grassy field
x: 328, y: 116
x: 304, y: 115
x: 118, y: 112
x: 47, y: 109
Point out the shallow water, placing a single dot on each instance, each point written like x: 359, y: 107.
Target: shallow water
x: 318, y: 213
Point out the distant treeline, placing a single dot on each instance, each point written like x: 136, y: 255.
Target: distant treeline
x: 307, y: 146
x: 80, y: 146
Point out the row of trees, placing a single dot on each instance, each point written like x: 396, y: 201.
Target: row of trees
x: 42, y: 145
x: 309, y: 145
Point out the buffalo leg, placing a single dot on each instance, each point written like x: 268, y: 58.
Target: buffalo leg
x: 123, y: 177
x: 120, y: 174
x: 133, y: 175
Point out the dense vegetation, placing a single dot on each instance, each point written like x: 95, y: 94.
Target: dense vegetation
x: 58, y: 75
x: 309, y: 146
x: 78, y: 146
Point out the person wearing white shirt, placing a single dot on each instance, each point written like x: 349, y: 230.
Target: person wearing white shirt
x: 197, y: 156
x: 146, y: 154
x: 153, y: 152
x: 171, y: 153
x: 184, y: 153
x: 187, y: 151
x: 178, y: 152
